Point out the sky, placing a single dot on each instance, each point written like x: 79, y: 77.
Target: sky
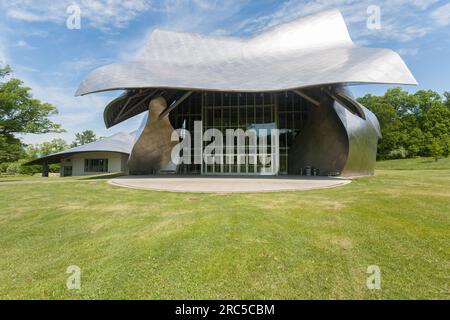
x: 53, y: 59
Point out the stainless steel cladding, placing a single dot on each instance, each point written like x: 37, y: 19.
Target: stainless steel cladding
x: 312, y: 57
x: 314, y: 50
x: 152, y: 151
x: 340, y: 137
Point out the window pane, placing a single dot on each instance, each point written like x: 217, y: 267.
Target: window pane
x: 96, y: 165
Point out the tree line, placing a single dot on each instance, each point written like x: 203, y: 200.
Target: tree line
x: 412, y: 124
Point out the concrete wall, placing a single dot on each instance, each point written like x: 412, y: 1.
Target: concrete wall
x: 117, y: 162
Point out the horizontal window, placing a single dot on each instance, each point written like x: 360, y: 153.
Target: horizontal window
x: 96, y: 165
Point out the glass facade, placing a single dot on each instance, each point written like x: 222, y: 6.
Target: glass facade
x: 285, y: 111
x: 244, y: 111
x: 292, y: 116
x: 183, y: 117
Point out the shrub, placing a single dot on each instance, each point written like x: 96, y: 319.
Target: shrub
x: 13, y: 168
x: 18, y: 168
x: 399, y: 153
x: 4, y: 166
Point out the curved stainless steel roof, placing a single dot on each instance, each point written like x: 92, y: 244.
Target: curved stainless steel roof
x: 132, y: 103
x: 314, y: 50
x: 118, y: 143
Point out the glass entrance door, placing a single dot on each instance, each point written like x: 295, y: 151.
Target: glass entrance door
x: 244, y: 111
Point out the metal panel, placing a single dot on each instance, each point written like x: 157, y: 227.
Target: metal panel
x: 323, y: 143
x: 362, y: 135
x: 153, y: 148
x: 337, y: 140
x: 136, y: 101
x: 311, y: 51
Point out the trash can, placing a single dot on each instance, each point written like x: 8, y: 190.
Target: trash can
x: 308, y: 171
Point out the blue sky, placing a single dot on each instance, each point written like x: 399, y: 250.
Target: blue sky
x: 52, y: 59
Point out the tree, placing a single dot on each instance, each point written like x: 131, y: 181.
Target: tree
x: 412, y: 124
x: 390, y: 124
x: 11, y: 149
x: 447, y: 99
x: 83, y: 138
x: 436, y: 148
x: 33, y: 152
x: 20, y: 113
x: 5, y: 71
x: 46, y: 148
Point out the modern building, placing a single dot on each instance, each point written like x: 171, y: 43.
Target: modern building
x: 108, y: 155
x: 293, y: 78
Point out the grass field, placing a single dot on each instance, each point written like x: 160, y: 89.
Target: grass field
x: 415, y: 164
x: 133, y: 244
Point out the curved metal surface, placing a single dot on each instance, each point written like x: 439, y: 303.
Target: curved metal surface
x: 362, y: 135
x: 311, y: 51
x: 127, y: 105
x: 134, y: 102
x: 118, y: 143
x: 323, y: 143
x: 337, y: 139
x: 153, y: 148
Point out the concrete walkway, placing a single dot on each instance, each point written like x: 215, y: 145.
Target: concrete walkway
x: 204, y: 184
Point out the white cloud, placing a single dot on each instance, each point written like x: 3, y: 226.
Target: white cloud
x: 193, y: 15
x: 205, y: 16
x: 25, y: 15
x: 401, y: 20
x: 81, y: 66
x: 3, y: 59
x: 441, y: 15
x: 75, y: 113
x: 21, y: 43
x: 393, y: 30
x: 424, y: 4
x: 220, y: 16
x: 101, y: 14
x: 3, y: 55
x: 408, y: 51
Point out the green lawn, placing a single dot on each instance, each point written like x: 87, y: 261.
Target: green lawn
x: 297, y: 245
x: 415, y: 164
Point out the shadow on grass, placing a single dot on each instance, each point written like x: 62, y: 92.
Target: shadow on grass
x: 429, y: 161
x: 104, y: 176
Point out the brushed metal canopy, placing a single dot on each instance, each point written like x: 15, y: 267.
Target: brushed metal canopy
x: 311, y: 51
